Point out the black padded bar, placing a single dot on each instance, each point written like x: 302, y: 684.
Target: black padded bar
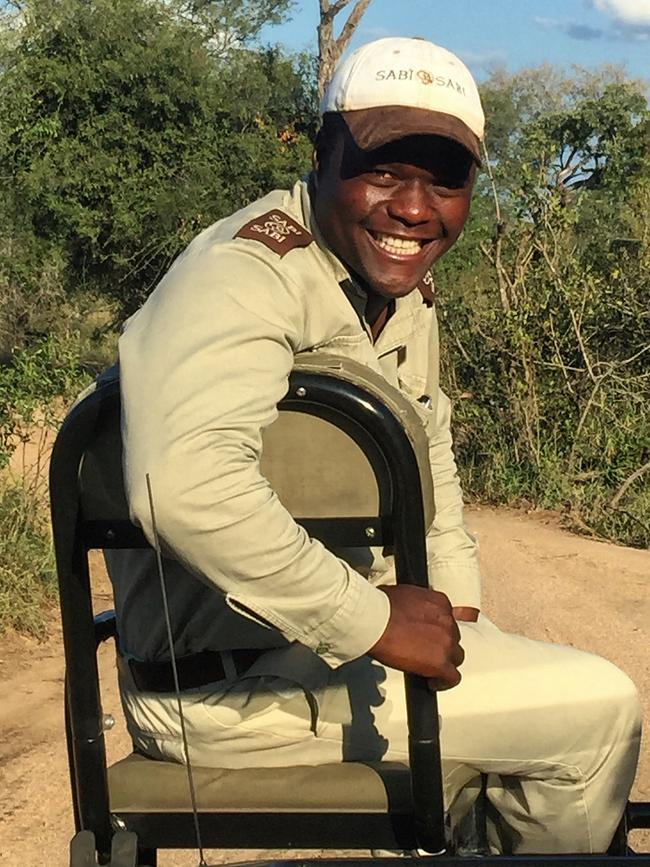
x: 273, y: 830
x: 637, y: 815
x: 335, y: 532
x: 84, y: 714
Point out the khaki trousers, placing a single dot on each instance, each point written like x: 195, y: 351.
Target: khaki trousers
x: 555, y: 730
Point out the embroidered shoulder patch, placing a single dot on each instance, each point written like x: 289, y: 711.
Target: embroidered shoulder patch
x: 426, y: 288
x: 277, y: 231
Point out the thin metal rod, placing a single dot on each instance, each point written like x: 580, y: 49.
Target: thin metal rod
x: 177, y: 690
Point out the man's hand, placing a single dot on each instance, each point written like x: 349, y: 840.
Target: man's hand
x: 422, y: 636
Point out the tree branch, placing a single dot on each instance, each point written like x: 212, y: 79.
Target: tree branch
x: 613, y: 503
x: 351, y: 24
x: 334, y: 10
x: 330, y: 48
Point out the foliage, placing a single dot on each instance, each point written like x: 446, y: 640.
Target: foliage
x: 30, y: 385
x: 123, y: 136
x: 126, y: 126
x: 546, y: 309
x: 227, y: 24
x: 27, y: 573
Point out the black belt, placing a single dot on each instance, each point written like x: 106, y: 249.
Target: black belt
x: 197, y: 669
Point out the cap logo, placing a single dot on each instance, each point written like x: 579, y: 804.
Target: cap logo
x: 424, y: 76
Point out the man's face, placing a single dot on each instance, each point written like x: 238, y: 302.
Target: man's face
x: 389, y: 214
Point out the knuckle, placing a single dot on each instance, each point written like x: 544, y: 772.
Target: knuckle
x: 442, y: 600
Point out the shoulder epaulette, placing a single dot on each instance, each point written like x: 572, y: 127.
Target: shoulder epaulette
x: 277, y: 231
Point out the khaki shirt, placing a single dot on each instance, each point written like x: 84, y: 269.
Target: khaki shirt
x: 203, y: 365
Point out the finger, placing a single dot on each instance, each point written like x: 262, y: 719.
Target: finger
x: 441, y: 600
x: 458, y: 655
x: 435, y: 615
x: 448, y: 678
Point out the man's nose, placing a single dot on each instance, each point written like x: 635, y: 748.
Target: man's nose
x: 411, y: 203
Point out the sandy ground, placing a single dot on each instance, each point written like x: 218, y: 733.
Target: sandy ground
x: 540, y: 581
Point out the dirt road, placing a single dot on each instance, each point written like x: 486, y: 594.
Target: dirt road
x: 539, y: 581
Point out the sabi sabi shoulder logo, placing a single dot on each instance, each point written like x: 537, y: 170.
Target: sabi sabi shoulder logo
x: 277, y: 231
x: 276, y: 227
x: 424, y: 76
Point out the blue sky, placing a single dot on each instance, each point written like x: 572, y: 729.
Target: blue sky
x: 513, y: 34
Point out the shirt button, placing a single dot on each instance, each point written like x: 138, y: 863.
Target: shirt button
x: 323, y: 648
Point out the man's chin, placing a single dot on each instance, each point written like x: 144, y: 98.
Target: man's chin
x: 394, y: 288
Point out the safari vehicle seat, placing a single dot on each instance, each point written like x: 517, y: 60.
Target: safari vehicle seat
x: 382, y: 495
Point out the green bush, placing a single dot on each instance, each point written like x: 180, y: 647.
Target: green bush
x: 32, y: 385
x: 27, y: 572
x: 545, y: 311
x: 122, y: 135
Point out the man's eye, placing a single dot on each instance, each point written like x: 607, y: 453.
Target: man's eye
x: 449, y: 182
x: 444, y: 190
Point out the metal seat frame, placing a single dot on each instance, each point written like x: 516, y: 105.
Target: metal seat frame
x: 399, y: 524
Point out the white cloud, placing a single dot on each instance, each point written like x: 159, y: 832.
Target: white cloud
x: 633, y: 12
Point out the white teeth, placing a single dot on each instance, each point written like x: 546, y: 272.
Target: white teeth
x: 400, y: 246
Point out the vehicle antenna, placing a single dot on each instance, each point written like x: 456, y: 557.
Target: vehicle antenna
x: 170, y: 638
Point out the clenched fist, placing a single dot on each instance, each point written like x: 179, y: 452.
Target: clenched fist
x: 422, y: 636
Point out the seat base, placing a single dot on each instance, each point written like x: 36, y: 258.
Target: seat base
x: 139, y: 784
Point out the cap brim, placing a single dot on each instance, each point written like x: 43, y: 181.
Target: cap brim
x: 372, y: 128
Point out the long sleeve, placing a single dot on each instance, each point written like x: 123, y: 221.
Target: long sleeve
x: 203, y: 366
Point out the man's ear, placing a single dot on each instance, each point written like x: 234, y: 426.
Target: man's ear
x: 314, y: 160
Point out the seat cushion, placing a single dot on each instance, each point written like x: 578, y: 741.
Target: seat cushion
x: 141, y: 785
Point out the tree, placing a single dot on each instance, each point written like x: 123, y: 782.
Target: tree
x: 551, y: 130
x: 121, y: 136
x: 544, y: 302
x: 331, y: 47
x: 229, y: 24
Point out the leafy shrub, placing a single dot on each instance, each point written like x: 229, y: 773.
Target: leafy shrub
x: 27, y: 572
x: 123, y: 135
x: 31, y: 385
x: 546, y: 313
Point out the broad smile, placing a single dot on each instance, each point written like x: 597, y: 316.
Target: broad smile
x: 397, y: 247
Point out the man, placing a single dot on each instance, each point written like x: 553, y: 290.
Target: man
x: 340, y: 263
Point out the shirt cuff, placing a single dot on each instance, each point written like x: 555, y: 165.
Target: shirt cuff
x: 355, y: 627
x: 460, y: 581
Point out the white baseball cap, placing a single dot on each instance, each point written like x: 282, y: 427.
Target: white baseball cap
x: 396, y: 87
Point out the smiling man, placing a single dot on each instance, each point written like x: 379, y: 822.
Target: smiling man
x: 283, y: 642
